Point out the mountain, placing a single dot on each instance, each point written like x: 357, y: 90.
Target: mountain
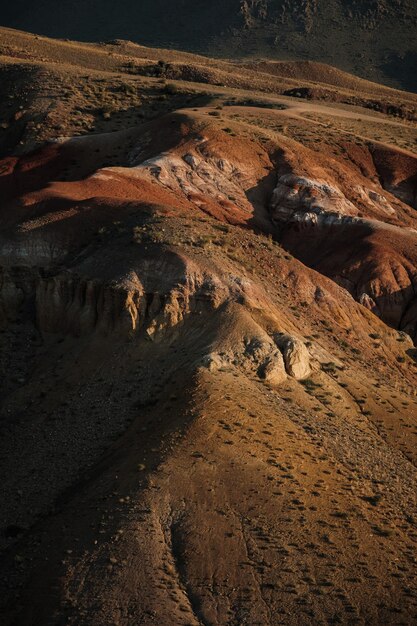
x: 208, y: 328
x: 372, y: 38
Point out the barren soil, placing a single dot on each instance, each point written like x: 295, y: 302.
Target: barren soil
x: 208, y: 319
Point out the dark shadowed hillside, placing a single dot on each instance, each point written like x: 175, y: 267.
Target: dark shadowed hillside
x: 373, y: 38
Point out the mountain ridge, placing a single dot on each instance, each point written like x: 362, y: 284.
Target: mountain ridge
x: 375, y: 39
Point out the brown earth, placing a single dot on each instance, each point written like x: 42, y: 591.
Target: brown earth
x: 208, y: 306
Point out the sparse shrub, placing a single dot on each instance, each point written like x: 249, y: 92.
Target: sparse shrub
x: 382, y: 532
x: 171, y: 89
x: 329, y: 367
x: 374, y: 500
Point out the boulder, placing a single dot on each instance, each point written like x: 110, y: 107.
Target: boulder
x: 273, y: 370
x: 296, y: 356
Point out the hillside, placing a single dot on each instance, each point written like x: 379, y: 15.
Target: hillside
x: 374, y: 39
x: 208, y: 329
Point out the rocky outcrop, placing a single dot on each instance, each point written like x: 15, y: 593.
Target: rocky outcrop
x: 273, y: 371
x: 77, y: 306
x: 70, y: 305
x: 32, y: 250
x: 272, y: 359
x: 390, y: 293
x: 257, y: 355
x: 397, y: 172
x: 296, y: 356
x: 351, y: 232
x: 300, y: 200
x: 203, y: 180
x: 155, y: 297
x: 306, y: 201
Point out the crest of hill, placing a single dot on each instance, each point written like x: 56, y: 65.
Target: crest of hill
x: 316, y: 72
x: 372, y: 38
x: 318, y: 80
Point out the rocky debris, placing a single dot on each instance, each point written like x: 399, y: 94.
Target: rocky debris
x: 330, y: 194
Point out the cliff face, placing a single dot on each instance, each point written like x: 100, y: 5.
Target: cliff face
x: 373, y: 38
